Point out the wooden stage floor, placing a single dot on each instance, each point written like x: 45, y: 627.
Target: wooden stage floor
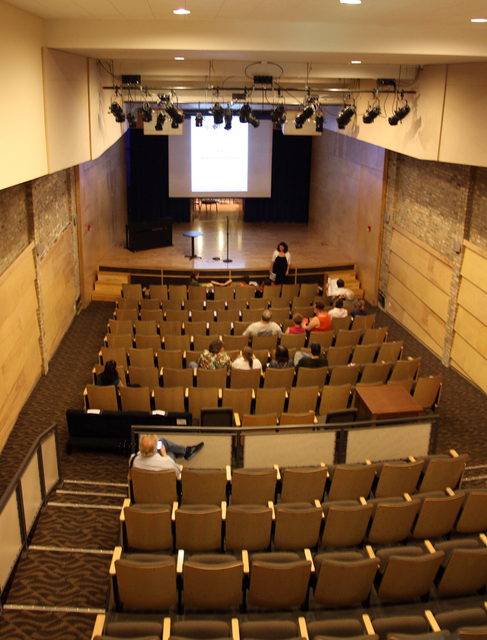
x: 250, y: 247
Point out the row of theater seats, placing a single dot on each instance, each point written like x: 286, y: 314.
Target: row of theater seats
x: 323, y: 527
x: 181, y: 292
x: 285, y: 580
x: 127, y: 324
x: 249, y: 406
x: 291, y: 485
x: 467, y: 623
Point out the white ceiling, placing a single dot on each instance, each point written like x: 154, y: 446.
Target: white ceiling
x: 299, y: 42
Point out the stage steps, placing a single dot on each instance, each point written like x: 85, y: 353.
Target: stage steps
x: 108, y: 285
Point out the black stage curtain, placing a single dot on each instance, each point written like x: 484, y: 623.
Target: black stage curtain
x: 291, y: 171
x: 148, y: 181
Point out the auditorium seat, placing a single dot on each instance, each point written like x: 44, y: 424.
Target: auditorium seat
x: 303, y: 484
x: 374, y: 336
x: 427, y: 392
x: 441, y: 471
x: 364, y: 322
x: 278, y: 580
x: 212, y: 581
x: 211, y: 378
x: 148, y: 342
x: 121, y: 326
x: 177, y: 377
x: 248, y: 526
x: 397, y: 477
x: 141, y: 358
x: 200, y: 629
x: 169, y: 358
x: 143, y: 581
x: 392, y: 520
x: 463, y: 571
x: 132, y: 291
x: 150, y: 304
x: 297, y: 525
x: 343, y: 375
x: 351, y: 573
x: 127, y: 303
x: 102, y: 398
x: 157, y: 315
x: 253, y: 486
x: 437, y: 514
x: 119, y: 340
x: 204, y: 486
x: 169, y: 399
x: 308, y: 417
x: 350, y: 481
x: 473, y: 513
x: 119, y: 354
x: 239, y: 399
x: 376, y: 372
x: 146, y: 527
x: 274, y: 378
x: 303, y: 399
x: 152, y: 487
x: 158, y: 291
x: 202, y: 398
x: 347, y: 338
x: 310, y: 377
x: 171, y: 328
x: 407, y: 573
x: 390, y: 351
x: 135, y: 398
x: 345, y: 523
x: 198, y: 527
x: 405, y: 369
x: 338, y: 356
x: 364, y: 354
x: 144, y: 376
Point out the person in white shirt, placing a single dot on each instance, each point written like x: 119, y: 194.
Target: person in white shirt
x: 336, y: 289
x: 338, y: 311
x: 149, y: 458
x: 246, y: 360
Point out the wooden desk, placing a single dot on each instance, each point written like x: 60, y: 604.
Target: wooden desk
x: 387, y: 401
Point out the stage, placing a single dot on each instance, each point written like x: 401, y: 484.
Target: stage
x: 250, y: 247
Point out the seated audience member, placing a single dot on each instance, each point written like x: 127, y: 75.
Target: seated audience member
x: 336, y: 289
x: 215, y: 357
x: 297, y: 328
x: 359, y: 309
x: 149, y: 458
x: 282, y: 360
x: 247, y: 282
x: 246, y: 360
x: 338, y: 311
x: 320, y: 322
x: 313, y: 361
x: 194, y: 279
x: 109, y: 376
x: 227, y: 283
x: 263, y: 327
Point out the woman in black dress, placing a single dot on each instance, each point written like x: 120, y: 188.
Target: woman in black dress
x: 281, y: 261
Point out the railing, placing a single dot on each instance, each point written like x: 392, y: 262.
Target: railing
x: 25, y: 497
x: 301, y: 445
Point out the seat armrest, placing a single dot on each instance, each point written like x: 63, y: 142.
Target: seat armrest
x: 99, y: 626
x: 126, y: 503
x: 303, y: 629
x: 117, y: 552
x: 166, y: 629
x: 430, y: 548
x: 245, y: 561
x: 180, y: 562
x: 235, y: 629
x: 369, y: 627
x: 434, y: 626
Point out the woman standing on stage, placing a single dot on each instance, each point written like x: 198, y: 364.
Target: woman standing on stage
x: 281, y: 261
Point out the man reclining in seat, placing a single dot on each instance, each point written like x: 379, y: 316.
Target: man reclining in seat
x: 150, y: 458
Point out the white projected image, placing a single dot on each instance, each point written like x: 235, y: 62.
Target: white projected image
x: 219, y: 158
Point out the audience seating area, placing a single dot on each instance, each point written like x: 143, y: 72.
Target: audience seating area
x: 318, y: 539
x: 154, y: 339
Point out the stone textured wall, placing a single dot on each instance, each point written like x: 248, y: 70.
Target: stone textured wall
x: 14, y: 224
x: 441, y: 204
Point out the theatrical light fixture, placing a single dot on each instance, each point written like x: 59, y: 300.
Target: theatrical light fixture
x: 399, y: 114
x: 319, y: 120
x: 161, y: 118
x: 371, y: 114
x: 146, y: 112
x: 176, y: 114
x: 278, y: 115
x: 199, y: 119
x: 217, y: 112
x: 246, y: 115
x: 228, y: 119
x: 305, y: 114
x: 345, y: 115
x: 117, y: 111
x: 132, y: 120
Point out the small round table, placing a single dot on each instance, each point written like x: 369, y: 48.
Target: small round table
x: 192, y: 234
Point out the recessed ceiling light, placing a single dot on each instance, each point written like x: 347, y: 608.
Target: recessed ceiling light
x: 178, y: 58
x: 478, y: 20
x: 181, y: 11
x: 350, y: 1
x: 355, y: 61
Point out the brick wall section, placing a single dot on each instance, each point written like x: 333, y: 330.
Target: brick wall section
x: 51, y: 206
x: 14, y: 224
x: 478, y: 226
x: 439, y: 203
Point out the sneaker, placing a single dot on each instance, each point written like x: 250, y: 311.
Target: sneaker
x: 192, y: 451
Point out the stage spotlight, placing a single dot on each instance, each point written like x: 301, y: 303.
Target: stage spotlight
x: 371, y: 114
x: 305, y: 114
x: 146, y: 112
x: 161, y: 118
x: 345, y: 115
x: 319, y: 120
x: 399, y: 114
x: 199, y: 119
x: 228, y: 119
x: 132, y: 120
x: 117, y: 111
x: 174, y: 113
x: 278, y: 115
x: 246, y: 115
x: 174, y: 124
x: 217, y: 112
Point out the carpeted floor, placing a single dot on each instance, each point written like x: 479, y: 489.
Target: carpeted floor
x: 46, y: 578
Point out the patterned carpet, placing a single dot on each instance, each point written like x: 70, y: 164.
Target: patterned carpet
x: 46, y: 577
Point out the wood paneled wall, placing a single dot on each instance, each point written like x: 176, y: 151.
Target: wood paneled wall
x: 469, y: 350
x: 346, y: 202
x: 58, y: 291
x: 20, y: 356
x: 418, y: 289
